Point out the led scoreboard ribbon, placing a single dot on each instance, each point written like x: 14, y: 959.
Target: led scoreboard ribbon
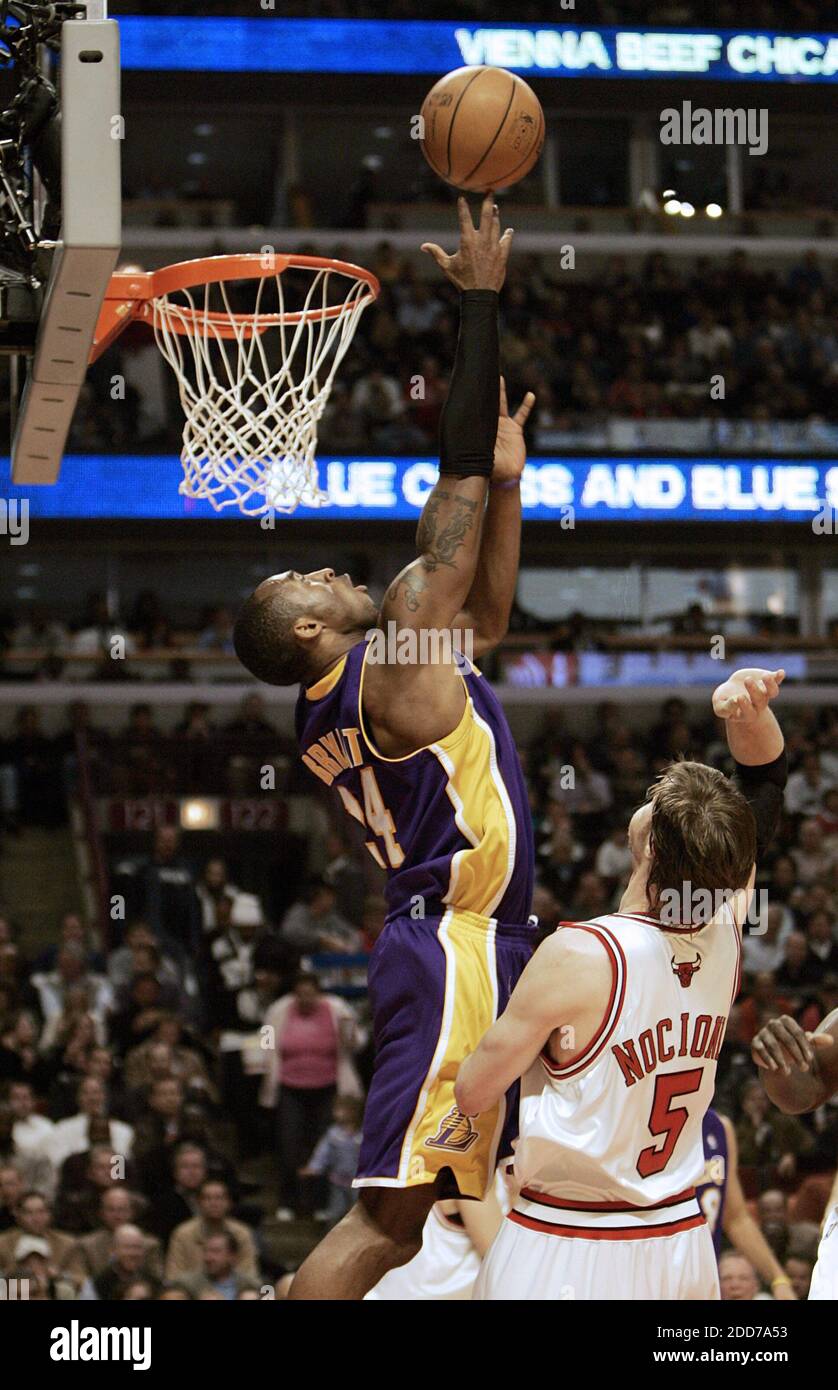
x: 267, y: 44
x: 395, y: 489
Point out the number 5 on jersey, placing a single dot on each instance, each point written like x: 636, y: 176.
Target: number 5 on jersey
x: 666, y: 1118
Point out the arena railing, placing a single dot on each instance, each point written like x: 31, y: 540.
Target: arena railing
x: 184, y: 242
x: 629, y: 639
x: 707, y: 436
x: 633, y: 667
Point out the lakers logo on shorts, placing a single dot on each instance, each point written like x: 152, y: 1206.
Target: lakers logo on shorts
x: 455, y: 1132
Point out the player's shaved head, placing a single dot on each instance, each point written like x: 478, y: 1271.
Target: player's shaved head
x: 294, y: 625
x: 263, y: 635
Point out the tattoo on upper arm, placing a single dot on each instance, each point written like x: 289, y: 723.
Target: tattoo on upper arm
x: 438, y: 538
x: 414, y: 587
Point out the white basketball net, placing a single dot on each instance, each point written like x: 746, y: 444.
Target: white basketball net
x: 253, y: 401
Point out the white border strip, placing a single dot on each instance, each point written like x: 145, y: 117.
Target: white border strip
x: 442, y: 1043
x: 608, y: 1220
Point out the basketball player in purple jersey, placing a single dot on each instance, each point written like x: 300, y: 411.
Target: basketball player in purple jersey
x: 722, y: 1200
x: 421, y: 756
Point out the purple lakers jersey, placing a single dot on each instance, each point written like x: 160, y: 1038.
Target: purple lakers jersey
x: 713, y: 1186
x: 451, y: 822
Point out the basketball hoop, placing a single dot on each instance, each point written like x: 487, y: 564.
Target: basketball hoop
x: 253, y: 381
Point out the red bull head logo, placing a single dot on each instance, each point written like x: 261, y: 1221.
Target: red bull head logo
x: 685, y: 969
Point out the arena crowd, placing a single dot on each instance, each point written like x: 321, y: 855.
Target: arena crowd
x: 180, y: 1102
x: 634, y: 342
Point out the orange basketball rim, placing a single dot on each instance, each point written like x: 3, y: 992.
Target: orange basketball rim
x: 135, y: 295
x: 253, y: 382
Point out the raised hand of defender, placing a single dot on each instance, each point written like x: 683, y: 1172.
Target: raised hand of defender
x: 782, y: 1045
x: 480, y: 260
x: 510, y: 448
x: 745, y: 695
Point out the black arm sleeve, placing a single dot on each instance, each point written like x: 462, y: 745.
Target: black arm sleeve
x: 469, y: 423
x: 763, y: 788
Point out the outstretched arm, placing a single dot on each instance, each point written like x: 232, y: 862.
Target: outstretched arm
x: 432, y: 590
x: 490, y: 599
x: 753, y: 735
x: 756, y: 741
x: 417, y: 696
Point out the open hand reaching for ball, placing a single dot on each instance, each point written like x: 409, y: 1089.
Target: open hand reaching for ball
x: 480, y: 260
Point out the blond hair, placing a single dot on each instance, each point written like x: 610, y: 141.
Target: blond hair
x: 702, y: 832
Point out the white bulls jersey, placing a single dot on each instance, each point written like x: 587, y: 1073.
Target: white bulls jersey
x: 610, y: 1146
x: 623, y: 1121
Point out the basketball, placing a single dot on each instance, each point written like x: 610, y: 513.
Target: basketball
x: 483, y: 128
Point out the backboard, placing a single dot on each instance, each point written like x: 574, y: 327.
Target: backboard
x: 65, y: 275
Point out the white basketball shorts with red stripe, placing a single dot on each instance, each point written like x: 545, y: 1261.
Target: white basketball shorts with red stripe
x: 549, y: 1250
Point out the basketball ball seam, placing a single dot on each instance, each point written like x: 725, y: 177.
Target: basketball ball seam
x: 471, y: 80
x: 534, y: 149
x: 489, y: 147
x: 434, y: 166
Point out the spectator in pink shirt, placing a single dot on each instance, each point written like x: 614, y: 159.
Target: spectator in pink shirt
x: 313, y: 1036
